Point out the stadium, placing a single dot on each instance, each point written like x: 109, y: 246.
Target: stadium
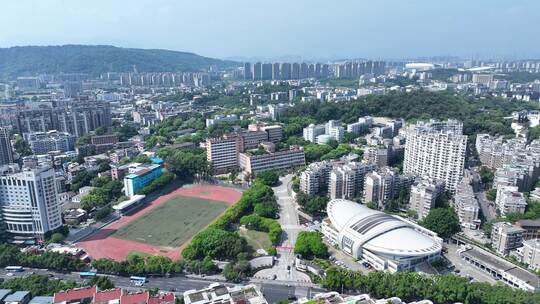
x: 385, y: 241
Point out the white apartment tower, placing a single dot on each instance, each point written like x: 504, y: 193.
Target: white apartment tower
x: 29, y: 204
x: 436, y: 150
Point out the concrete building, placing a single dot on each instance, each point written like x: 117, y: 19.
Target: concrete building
x: 383, y: 185
x: 43, y: 142
x: 221, y: 118
x: 531, y: 227
x: 109, y: 139
x: 423, y: 196
x: 436, y: 150
x: 6, y: 152
x: 494, y: 152
x: 529, y: 254
x: 379, y: 156
x: 222, y: 153
x: 466, y: 204
x: 311, y: 132
x: 347, y: 180
x: 29, y: 204
x: 140, y: 176
x: 314, y: 179
x: 252, y: 163
x: 505, y: 237
x: 334, y: 129
x: 219, y: 293
x: 509, y: 200
x: 386, y: 242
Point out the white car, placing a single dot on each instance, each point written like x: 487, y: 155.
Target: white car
x: 9, y: 274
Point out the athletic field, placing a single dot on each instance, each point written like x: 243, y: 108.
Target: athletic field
x: 164, y: 225
x: 172, y: 223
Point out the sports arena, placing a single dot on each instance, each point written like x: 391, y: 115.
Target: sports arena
x: 387, y: 242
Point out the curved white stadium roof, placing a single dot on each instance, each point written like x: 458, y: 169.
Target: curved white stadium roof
x: 379, y: 232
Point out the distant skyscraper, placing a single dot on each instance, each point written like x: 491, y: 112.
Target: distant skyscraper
x: 275, y: 71
x: 257, y: 71
x: 6, y: 154
x: 266, y: 72
x: 303, y: 70
x: 295, y: 71
x: 285, y: 69
x: 247, y: 71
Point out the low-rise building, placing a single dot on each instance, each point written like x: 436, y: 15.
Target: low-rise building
x: 218, y: 293
x: 251, y: 163
x: 466, y: 204
x: 529, y: 254
x: 223, y: 153
x: 140, y: 176
x: 509, y: 200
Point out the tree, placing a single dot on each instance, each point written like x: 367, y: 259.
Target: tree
x: 269, y: 178
x: 142, y: 158
x: 486, y: 175
x: 102, y: 282
x: 21, y: 146
x: 100, y: 131
x: 442, y: 221
x: 215, y: 243
x: 102, y: 213
x: 57, y: 238
x: 310, y: 245
x: 491, y: 194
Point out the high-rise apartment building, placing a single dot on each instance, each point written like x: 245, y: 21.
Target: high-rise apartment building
x: 6, y: 153
x: 383, y: 185
x: 222, y: 153
x: 311, y: 132
x: 43, y: 142
x: 436, y: 150
x: 314, y: 180
x: 347, y: 180
x: 247, y: 71
x: 257, y: 71
x: 424, y: 196
x: 29, y: 204
x: 276, y: 75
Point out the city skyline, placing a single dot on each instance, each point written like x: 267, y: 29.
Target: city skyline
x: 302, y: 30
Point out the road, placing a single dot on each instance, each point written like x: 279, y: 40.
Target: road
x: 466, y: 270
x: 488, y: 210
x: 272, y: 290
x: 288, y: 218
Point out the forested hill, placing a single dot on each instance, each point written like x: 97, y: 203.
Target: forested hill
x: 479, y: 115
x: 30, y: 60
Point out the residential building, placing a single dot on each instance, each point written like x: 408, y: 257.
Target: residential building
x: 252, y: 163
x: 383, y: 185
x: 529, y: 254
x: 44, y: 142
x: 466, y: 204
x: 436, y: 150
x: 6, y: 152
x: 312, y: 131
x: 29, y: 204
x: 314, y: 179
x: 379, y: 156
x: 347, y: 180
x: 220, y: 119
x: 509, y: 200
x: 140, y: 176
x: 531, y: 227
x: 222, y: 153
x: 334, y: 129
x: 109, y: 139
x: 92, y: 294
x: 276, y: 110
x: 483, y: 79
x: 505, y: 237
x: 423, y: 197
x: 219, y: 293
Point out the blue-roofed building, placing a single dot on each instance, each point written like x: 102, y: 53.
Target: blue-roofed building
x: 141, y: 176
x: 42, y: 300
x: 18, y: 297
x: 157, y: 161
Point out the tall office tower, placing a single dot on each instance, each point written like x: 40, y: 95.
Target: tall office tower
x: 285, y: 69
x: 247, y: 71
x: 276, y: 75
x: 266, y: 72
x: 6, y: 154
x: 295, y: 71
x: 303, y: 70
x: 257, y: 71
x: 436, y: 150
x: 29, y: 204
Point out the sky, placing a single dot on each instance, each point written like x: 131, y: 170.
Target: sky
x: 272, y: 29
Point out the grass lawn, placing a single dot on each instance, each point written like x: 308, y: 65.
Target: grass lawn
x: 172, y: 223
x: 256, y: 239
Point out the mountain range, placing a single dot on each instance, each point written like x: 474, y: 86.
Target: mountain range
x: 95, y: 59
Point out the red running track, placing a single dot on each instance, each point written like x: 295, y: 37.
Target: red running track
x: 102, y: 245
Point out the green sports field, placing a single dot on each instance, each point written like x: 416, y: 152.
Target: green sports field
x: 173, y: 222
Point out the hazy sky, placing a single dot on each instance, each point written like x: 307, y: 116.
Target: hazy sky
x: 304, y: 28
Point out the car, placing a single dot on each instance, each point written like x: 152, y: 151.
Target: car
x: 274, y: 277
x: 9, y: 274
x: 292, y: 298
x: 457, y: 270
x: 288, y: 267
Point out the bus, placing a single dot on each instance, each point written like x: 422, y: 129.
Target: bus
x: 138, y: 281
x: 87, y: 275
x: 14, y: 268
